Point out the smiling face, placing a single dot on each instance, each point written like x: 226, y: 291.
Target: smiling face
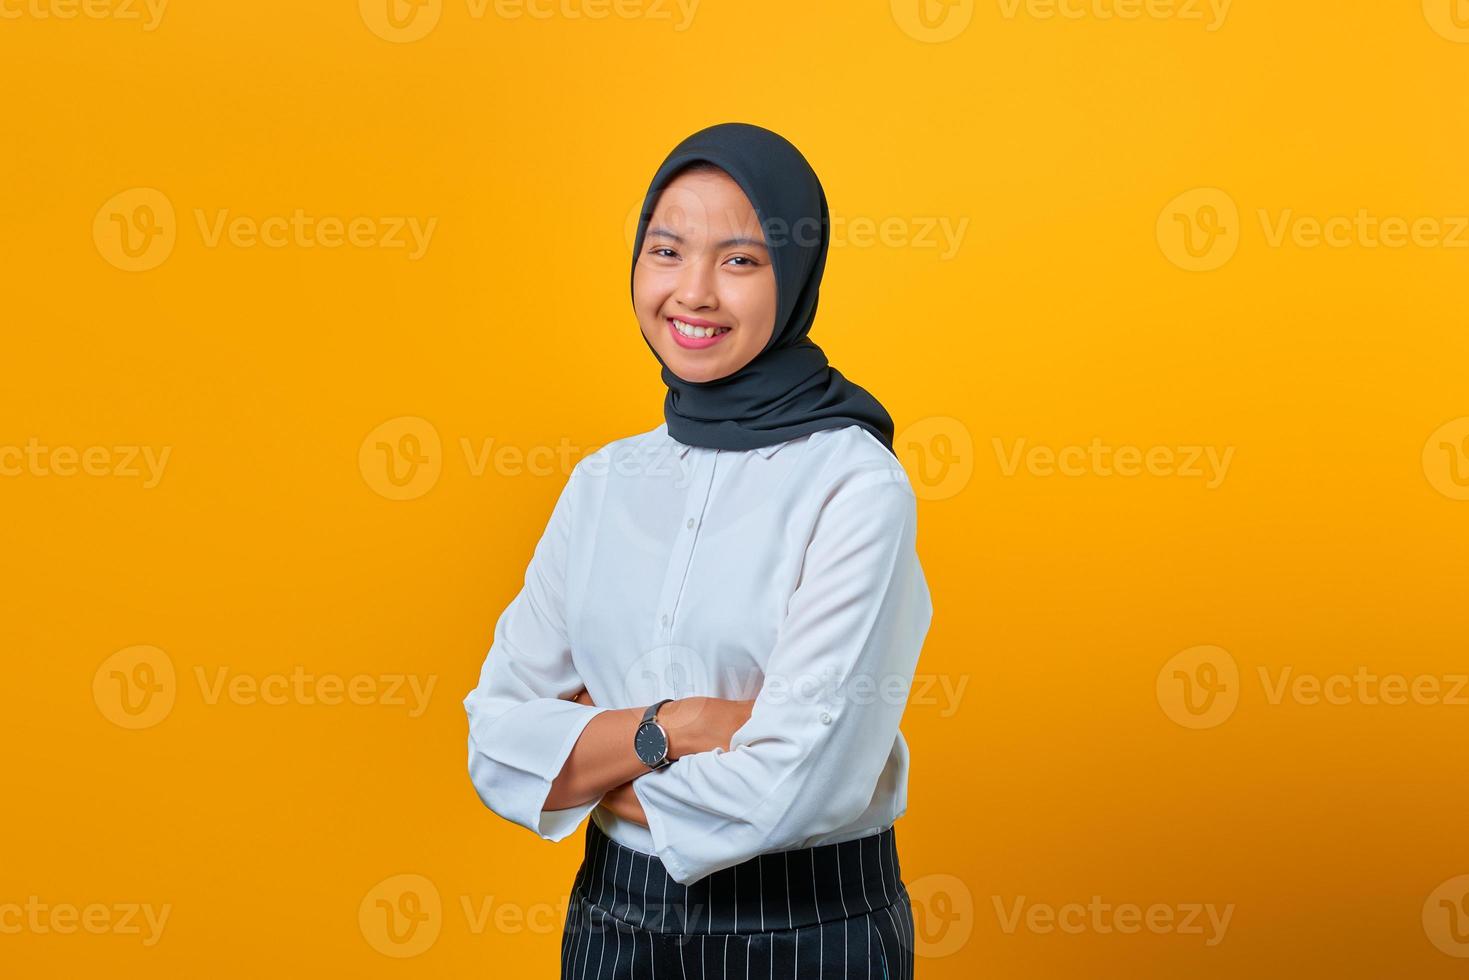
x: 703, y: 266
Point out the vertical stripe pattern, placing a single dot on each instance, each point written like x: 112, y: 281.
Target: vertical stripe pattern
x: 829, y: 912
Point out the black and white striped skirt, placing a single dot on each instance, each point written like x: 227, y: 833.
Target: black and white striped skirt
x: 831, y: 912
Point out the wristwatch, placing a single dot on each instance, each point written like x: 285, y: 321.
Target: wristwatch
x: 650, y: 741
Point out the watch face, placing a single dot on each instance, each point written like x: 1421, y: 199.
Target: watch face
x: 650, y: 744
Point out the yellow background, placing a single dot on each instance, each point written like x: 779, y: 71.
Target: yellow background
x: 1335, y: 541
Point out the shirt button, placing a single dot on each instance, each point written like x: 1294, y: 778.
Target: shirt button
x: 665, y: 619
x: 691, y: 522
x: 825, y: 718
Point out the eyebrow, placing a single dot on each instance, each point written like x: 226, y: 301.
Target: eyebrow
x: 727, y: 243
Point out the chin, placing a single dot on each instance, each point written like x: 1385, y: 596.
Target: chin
x: 690, y: 372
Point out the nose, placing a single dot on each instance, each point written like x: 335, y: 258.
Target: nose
x: 695, y: 288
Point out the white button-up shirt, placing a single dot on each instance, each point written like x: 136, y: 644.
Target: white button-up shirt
x: 788, y: 574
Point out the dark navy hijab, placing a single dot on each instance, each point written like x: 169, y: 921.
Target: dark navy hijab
x: 788, y: 389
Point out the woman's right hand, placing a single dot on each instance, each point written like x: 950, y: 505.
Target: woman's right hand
x: 700, y: 724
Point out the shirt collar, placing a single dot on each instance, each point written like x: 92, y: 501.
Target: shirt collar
x: 682, y: 449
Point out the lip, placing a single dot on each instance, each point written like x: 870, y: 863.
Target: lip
x: 692, y: 343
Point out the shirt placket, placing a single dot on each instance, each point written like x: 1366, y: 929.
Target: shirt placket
x: 700, y: 484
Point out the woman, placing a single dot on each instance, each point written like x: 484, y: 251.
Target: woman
x: 719, y: 626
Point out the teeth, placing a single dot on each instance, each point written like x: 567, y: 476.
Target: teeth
x: 697, y: 332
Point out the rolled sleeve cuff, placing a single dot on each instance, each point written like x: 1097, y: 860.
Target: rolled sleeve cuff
x: 514, y: 771
x: 694, y: 854
x: 662, y: 843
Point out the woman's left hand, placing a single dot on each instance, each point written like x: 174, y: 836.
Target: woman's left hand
x: 622, y: 801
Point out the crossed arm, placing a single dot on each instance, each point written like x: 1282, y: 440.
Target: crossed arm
x: 800, y: 760
x: 603, y: 763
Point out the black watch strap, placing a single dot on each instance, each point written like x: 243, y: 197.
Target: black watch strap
x: 652, y: 713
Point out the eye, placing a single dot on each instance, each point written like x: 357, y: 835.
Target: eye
x: 657, y: 250
x: 749, y: 262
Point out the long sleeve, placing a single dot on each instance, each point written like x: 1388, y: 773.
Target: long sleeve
x: 825, y: 720
x: 521, y: 728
